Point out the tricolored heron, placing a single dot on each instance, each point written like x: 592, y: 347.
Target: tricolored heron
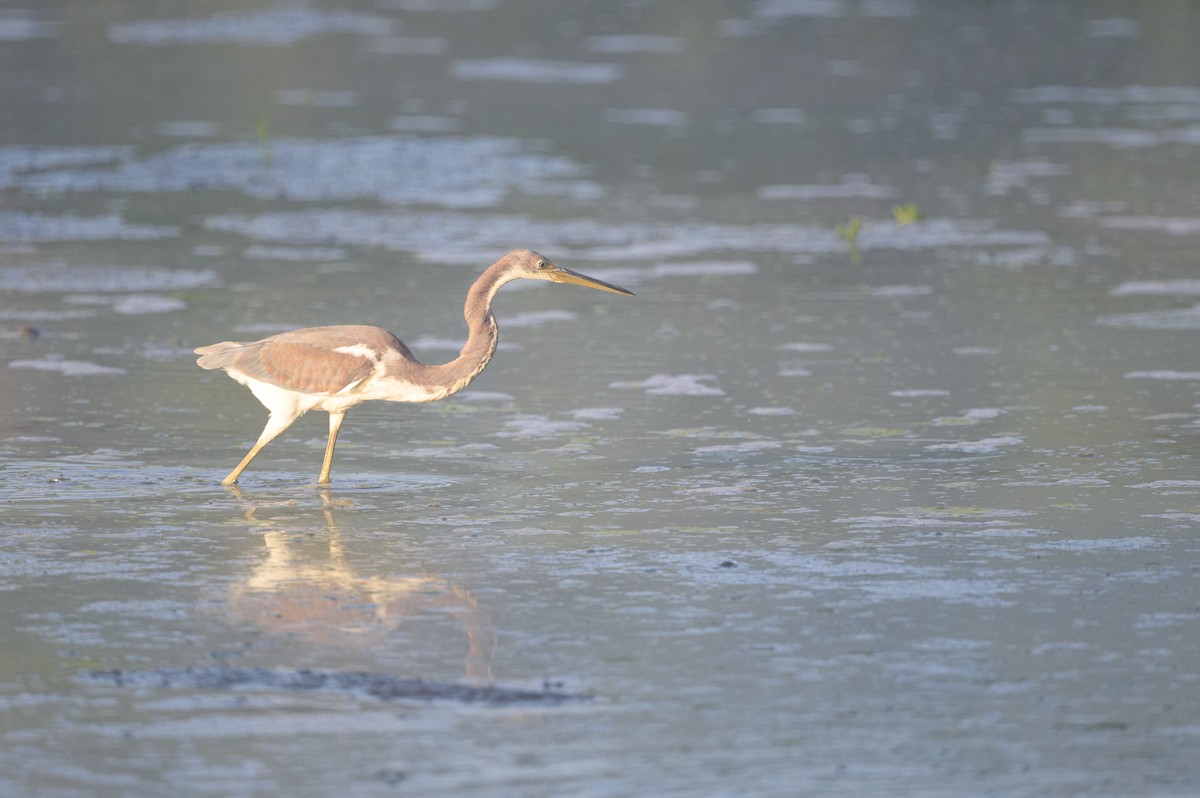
x: 336, y: 368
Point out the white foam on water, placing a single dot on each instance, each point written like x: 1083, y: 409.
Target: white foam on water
x: 1193, y: 518
x: 188, y: 129
x: 444, y: 6
x: 938, y: 233
x: 1117, y: 138
x: 1133, y: 543
x: 141, y: 304
x: 1005, y: 176
x: 483, y: 396
x: 722, y: 490
x: 1097, y: 95
x: 277, y: 27
x: 984, y: 446
x: 901, y: 290
x: 1181, y: 287
x: 538, y: 427
x: 18, y: 26
x: 739, y: 268
x: 1175, y: 319
x: 21, y: 227
x: 852, y: 186
x: 1169, y: 483
x: 915, y: 393
x: 36, y: 314
x: 1164, y: 374
x: 778, y: 9
x: 652, y: 117
x: 524, y: 70
x: 971, y: 416
x: 14, y: 160
x: 70, y: 368
x: 62, y: 277
x: 596, y: 413
x: 805, y: 346
x: 1172, y: 225
x: 986, y: 520
x: 738, y: 448
x: 318, y: 98
x: 296, y: 254
x: 634, y: 43
x: 1083, y: 209
x: 674, y: 385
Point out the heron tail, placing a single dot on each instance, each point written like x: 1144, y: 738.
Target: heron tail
x: 217, y: 356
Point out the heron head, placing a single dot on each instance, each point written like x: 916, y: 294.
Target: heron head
x: 530, y: 265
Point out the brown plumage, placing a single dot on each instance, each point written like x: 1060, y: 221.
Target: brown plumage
x: 336, y: 368
x: 306, y: 360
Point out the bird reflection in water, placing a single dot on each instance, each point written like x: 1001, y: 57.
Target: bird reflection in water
x: 314, y: 595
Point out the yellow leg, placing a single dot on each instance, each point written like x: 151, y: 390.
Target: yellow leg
x: 335, y: 423
x: 275, y: 425
x: 237, y: 472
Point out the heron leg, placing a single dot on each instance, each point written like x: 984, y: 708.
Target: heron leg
x: 275, y: 425
x: 335, y: 423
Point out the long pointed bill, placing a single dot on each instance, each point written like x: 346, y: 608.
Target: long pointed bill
x: 561, y: 275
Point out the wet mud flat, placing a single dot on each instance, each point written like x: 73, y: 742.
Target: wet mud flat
x: 885, y: 483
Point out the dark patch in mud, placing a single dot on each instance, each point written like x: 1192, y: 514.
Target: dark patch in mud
x: 377, y: 685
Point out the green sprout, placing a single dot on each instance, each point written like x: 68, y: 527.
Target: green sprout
x: 908, y: 213
x: 848, y: 232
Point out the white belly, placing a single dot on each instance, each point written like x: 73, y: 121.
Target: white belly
x: 280, y: 401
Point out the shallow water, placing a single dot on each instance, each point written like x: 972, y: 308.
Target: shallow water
x: 906, y: 505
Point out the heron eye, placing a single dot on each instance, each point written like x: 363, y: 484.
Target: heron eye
x: 542, y: 264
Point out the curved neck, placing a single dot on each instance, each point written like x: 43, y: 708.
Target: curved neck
x: 482, y: 332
